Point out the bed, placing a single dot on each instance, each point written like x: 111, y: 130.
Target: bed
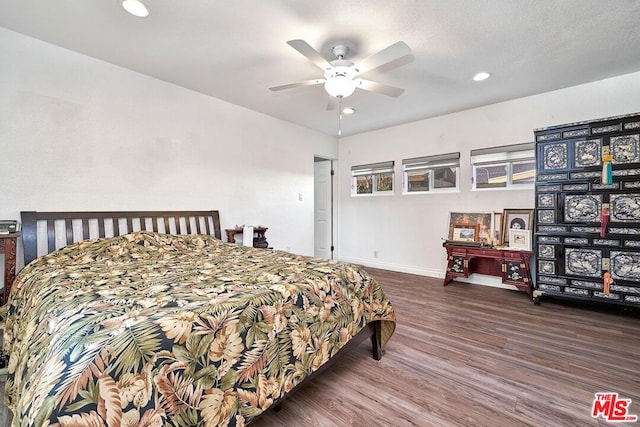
x: 149, y: 319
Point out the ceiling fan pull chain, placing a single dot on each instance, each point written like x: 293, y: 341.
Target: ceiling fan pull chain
x: 340, y: 116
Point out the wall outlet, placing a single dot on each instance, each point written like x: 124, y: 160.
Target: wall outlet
x: 288, y: 249
x: 375, y: 254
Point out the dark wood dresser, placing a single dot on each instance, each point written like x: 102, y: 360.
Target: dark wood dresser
x: 587, y: 230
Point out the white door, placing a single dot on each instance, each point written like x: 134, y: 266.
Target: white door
x: 322, y: 209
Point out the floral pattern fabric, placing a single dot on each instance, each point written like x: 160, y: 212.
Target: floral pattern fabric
x: 150, y: 329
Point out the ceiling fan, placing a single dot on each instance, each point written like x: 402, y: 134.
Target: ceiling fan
x: 341, y: 77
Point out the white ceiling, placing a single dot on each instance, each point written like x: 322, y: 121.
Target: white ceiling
x: 236, y: 49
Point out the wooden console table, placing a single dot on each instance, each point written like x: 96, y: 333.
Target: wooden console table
x: 8, y: 247
x: 509, y: 264
x: 231, y: 233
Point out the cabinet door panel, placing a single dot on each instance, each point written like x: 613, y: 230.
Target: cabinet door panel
x: 625, y: 149
x: 582, y: 207
x: 547, y: 200
x: 588, y: 153
x: 547, y: 267
x: 546, y: 216
x: 625, y: 207
x: 625, y: 265
x: 513, y: 272
x: 583, y: 262
x: 554, y: 156
x: 546, y: 251
x: 458, y: 264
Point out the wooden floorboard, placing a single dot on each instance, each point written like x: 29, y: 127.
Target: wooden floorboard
x: 470, y: 355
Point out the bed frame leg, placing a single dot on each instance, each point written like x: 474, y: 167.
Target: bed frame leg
x: 376, y: 340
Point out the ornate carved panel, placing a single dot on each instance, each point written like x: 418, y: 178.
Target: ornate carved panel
x: 583, y: 262
x: 625, y: 265
x: 546, y: 267
x: 555, y: 156
x: 546, y: 216
x: 625, y: 207
x: 547, y: 251
x: 582, y: 207
x: 587, y: 153
x: 625, y: 149
x: 546, y: 200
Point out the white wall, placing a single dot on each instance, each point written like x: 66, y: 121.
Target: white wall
x: 407, y: 231
x: 77, y: 133
x: 80, y: 134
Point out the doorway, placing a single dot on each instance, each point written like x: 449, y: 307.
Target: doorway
x: 323, y: 208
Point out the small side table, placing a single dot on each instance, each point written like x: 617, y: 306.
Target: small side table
x: 231, y: 233
x: 8, y: 247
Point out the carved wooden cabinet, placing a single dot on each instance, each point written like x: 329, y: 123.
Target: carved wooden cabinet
x: 509, y: 264
x: 575, y: 245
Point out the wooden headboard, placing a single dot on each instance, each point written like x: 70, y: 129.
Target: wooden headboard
x: 60, y: 226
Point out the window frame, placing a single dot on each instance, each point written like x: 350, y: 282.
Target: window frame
x: 430, y: 164
x: 506, y: 155
x: 374, y: 170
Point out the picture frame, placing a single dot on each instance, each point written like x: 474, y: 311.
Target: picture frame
x: 497, y: 228
x: 519, y: 219
x: 466, y: 231
x: 519, y: 239
x: 483, y: 219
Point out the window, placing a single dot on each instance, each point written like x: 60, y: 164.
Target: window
x: 510, y: 166
x: 431, y: 173
x: 374, y: 178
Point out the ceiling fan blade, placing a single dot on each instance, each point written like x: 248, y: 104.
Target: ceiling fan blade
x: 332, y: 104
x: 379, y: 88
x: 388, y: 54
x: 310, y: 53
x: 297, y: 84
x: 403, y: 60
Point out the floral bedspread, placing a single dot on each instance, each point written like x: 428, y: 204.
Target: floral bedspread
x: 150, y: 329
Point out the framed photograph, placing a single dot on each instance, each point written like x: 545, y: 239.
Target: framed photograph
x: 465, y: 232
x: 497, y: 227
x: 483, y: 219
x: 520, y: 239
x: 519, y: 219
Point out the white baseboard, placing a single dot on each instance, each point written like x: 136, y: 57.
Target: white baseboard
x: 395, y: 267
x: 474, y: 279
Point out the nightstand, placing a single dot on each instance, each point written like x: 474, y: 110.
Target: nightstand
x: 259, y: 241
x: 8, y: 247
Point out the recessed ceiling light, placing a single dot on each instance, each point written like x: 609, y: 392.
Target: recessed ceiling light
x: 481, y: 76
x: 136, y: 8
x: 349, y: 110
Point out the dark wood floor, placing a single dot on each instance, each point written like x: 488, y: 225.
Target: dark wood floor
x: 469, y: 355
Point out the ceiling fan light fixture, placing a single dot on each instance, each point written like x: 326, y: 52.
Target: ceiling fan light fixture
x: 340, y: 86
x: 136, y: 8
x: 339, y: 81
x: 483, y: 75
